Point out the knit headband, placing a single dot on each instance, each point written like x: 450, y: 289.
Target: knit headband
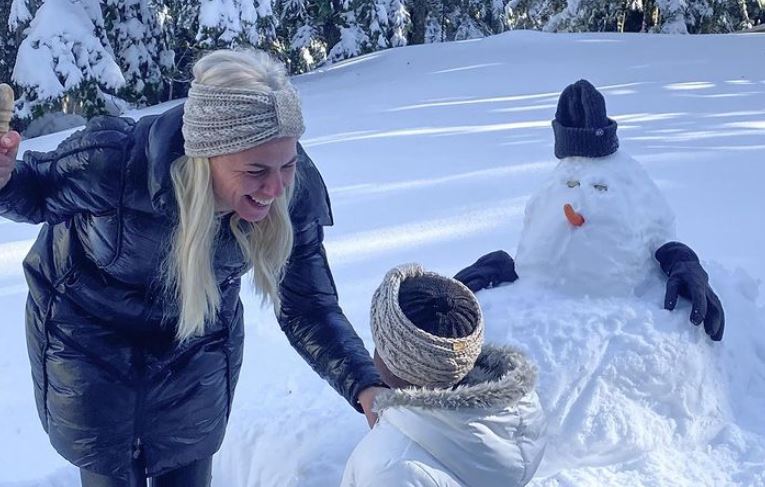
x: 411, y: 353
x: 218, y: 120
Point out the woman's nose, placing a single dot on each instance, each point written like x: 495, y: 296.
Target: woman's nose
x: 274, y: 184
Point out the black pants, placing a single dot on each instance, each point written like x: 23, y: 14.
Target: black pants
x: 197, y: 474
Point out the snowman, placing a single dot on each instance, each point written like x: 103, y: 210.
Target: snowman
x: 597, y: 260
x: 600, y: 226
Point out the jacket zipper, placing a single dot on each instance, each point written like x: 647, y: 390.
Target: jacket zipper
x: 140, y: 372
x: 137, y: 449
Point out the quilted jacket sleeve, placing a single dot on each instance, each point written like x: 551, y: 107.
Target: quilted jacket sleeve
x: 310, y: 315
x: 84, y: 174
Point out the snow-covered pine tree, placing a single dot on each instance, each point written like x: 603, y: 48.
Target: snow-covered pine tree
x: 699, y: 16
x: 20, y: 15
x: 418, y: 13
x: 372, y: 16
x: 426, y: 18
x: 302, y: 45
x: 499, y: 16
x: 672, y: 16
x: 467, y: 20
x: 220, y: 24
x: 179, y: 24
x: 15, y: 16
x: 433, y: 30
x: 650, y: 16
x: 353, y: 40
x: 134, y: 33
x: 756, y: 9
x: 63, y: 63
x: 7, y: 44
x: 728, y: 16
x: 399, y: 23
x: 533, y: 14
x: 258, y: 24
x: 632, y: 20
x: 566, y: 19
x: 589, y: 16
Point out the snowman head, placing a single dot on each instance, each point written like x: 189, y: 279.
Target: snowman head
x: 594, y: 225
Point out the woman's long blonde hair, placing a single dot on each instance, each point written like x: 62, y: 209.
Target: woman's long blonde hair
x: 265, y: 245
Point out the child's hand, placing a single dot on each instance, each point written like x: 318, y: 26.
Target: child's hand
x: 9, y: 147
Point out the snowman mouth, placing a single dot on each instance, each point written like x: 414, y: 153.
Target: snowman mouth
x: 575, y: 218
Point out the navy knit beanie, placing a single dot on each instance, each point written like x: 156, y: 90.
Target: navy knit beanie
x: 438, y: 306
x: 581, y: 125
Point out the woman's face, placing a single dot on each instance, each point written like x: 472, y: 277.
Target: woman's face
x: 249, y: 181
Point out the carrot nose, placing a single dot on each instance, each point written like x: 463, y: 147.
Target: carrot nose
x: 572, y: 216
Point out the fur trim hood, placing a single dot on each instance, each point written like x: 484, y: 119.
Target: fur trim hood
x: 501, y: 377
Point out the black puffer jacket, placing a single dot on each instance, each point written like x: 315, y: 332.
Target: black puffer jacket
x: 111, y: 384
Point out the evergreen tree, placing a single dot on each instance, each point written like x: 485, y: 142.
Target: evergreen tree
x: 14, y: 22
x: 672, y: 16
x: 533, y: 14
x: 20, y: 15
x: 302, y: 45
x: 7, y: 44
x: 499, y: 16
x: 418, y: 14
x: 220, y: 24
x: 399, y: 23
x: 259, y: 25
x: 467, y: 20
x: 372, y: 16
x: 756, y: 11
x: 434, y: 31
x: 63, y: 63
x: 589, y: 16
x: 354, y: 40
x: 728, y: 16
x: 179, y: 24
x: 134, y: 32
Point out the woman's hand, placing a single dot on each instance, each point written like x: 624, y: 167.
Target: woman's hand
x: 367, y: 399
x: 9, y: 147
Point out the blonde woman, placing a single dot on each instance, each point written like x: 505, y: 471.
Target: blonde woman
x: 134, y: 321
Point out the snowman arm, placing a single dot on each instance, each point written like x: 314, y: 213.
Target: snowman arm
x: 672, y: 252
x: 488, y: 271
x: 688, y: 279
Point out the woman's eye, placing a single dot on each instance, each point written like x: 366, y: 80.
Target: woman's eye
x: 572, y: 184
x: 600, y: 187
x: 256, y: 173
x: 288, y: 167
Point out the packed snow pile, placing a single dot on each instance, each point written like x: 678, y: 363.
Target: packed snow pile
x: 635, y: 394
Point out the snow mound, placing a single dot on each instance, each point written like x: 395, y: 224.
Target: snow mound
x: 635, y: 394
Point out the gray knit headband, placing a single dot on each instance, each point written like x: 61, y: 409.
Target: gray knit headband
x: 411, y: 353
x: 218, y: 120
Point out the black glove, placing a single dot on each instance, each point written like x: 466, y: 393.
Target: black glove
x: 488, y: 271
x: 688, y: 279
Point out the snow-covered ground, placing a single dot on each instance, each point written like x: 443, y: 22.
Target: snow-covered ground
x: 430, y: 153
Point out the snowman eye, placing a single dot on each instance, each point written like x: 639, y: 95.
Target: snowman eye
x: 572, y: 184
x: 600, y: 187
